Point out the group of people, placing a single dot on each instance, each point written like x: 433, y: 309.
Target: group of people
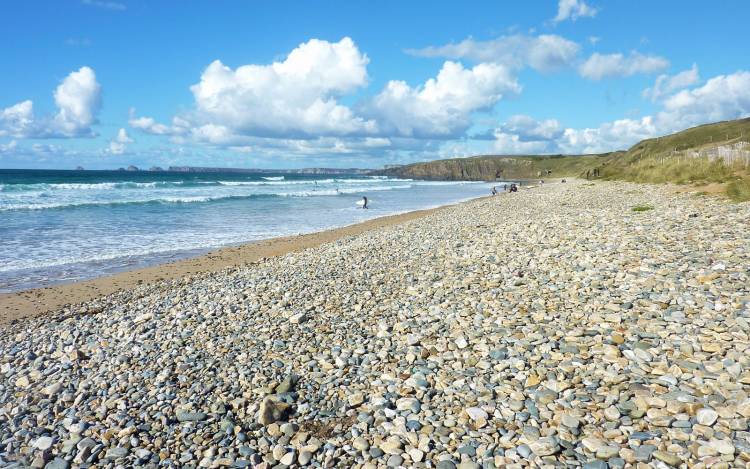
x: 513, y: 188
x: 595, y: 173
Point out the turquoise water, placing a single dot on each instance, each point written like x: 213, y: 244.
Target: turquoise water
x: 63, y: 226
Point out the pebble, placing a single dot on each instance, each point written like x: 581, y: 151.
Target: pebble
x: 360, y: 444
x: 116, y: 453
x: 611, y: 413
x: 395, y: 460
x: 524, y: 451
x: 288, y: 458
x: 304, y: 458
x: 57, y: 463
x: 669, y: 458
x: 706, y: 416
x: 595, y: 465
x: 44, y: 443
x: 644, y: 453
x: 570, y: 421
x: 546, y: 446
x: 408, y: 403
x: 416, y: 454
x: 191, y: 416
x: 723, y: 446
x: 446, y: 464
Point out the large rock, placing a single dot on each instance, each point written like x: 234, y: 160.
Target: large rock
x: 272, y: 410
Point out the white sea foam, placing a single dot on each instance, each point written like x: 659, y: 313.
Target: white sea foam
x: 97, y: 186
x: 77, y: 236
x: 39, y: 202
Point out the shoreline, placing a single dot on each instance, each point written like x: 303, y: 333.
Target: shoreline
x: 35, y: 302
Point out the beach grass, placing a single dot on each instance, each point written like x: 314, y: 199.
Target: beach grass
x: 739, y: 189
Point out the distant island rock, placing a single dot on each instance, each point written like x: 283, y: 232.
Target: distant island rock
x: 156, y: 168
x: 79, y: 168
x: 132, y: 168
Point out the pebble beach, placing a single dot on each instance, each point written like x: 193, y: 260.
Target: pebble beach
x: 553, y: 327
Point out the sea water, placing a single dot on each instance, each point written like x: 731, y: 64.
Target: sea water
x: 64, y: 226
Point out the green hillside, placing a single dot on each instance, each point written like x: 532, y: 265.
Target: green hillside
x: 671, y: 159
x: 712, y: 153
x: 492, y: 167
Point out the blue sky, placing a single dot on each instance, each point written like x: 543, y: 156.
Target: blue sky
x: 108, y: 83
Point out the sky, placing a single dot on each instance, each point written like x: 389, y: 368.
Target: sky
x: 280, y: 84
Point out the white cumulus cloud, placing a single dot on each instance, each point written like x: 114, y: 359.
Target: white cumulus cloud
x: 666, y: 84
x: 599, y: 66
x: 118, y: 145
x: 530, y: 129
x: 17, y: 120
x: 297, y: 96
x: 442, y: 106
x: 511, y: 144
x: 78, y: 100
x: 616, y: 135
x: 723, y: 97
x: 8, y: 147
x: 720, y: 98
x: 296, y: 99
x: 572, y: 10
x: 149, y: 125
x: 545, y: 53
x: 522, y: 134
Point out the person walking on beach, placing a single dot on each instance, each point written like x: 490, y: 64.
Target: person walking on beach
x: 364, y: 202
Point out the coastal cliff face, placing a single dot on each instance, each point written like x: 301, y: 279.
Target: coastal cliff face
x: 469, y: 169
x: 491, y: 168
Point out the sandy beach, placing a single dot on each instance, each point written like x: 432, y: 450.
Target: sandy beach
x: 35, y: 302
x: 588, y: 324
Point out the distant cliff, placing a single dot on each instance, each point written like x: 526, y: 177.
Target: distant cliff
x: 491, y: 168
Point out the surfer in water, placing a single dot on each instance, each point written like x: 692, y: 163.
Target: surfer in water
x: 364, y: 202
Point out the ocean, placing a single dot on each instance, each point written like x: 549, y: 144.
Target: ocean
x: 63, y: 226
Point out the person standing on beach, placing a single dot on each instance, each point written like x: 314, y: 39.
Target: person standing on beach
x: 364, y: 202
x: 494, y: 190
